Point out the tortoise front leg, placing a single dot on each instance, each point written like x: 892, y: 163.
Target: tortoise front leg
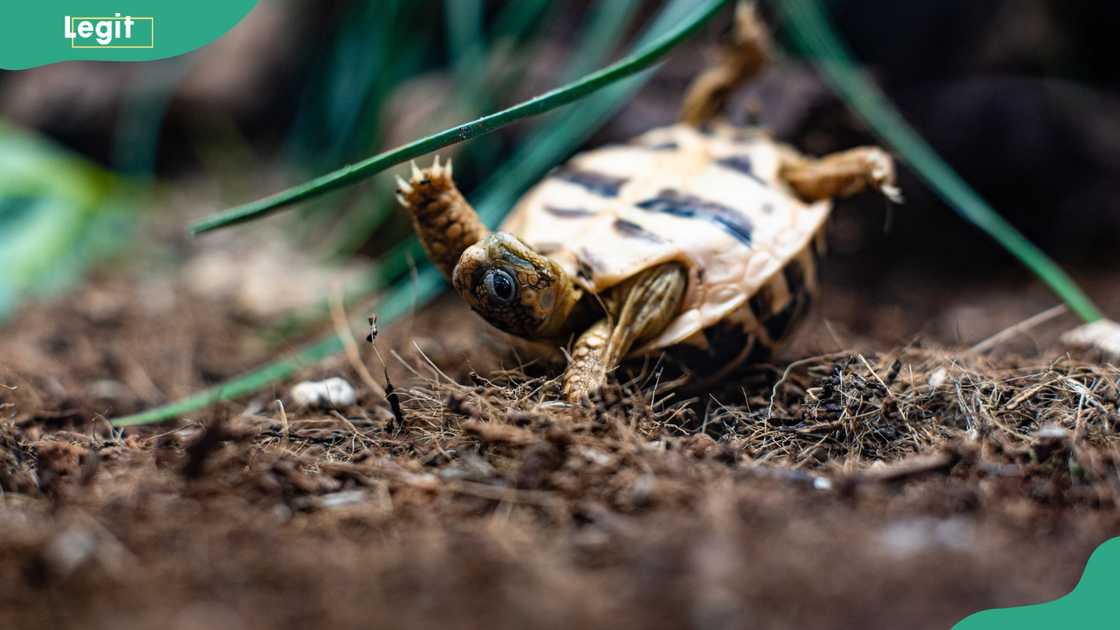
x: 841, y: 174
x: 641, y: 309
x: 445, y: 223
x: 587, y: 370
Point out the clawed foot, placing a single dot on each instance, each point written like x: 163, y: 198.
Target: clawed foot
x: 445, y: 223
x: 842, y: 174
x: 580, y: 389
x: 425, y: 185
x: 879, y: 167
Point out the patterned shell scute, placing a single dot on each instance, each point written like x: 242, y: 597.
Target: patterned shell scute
x: 709, y: 198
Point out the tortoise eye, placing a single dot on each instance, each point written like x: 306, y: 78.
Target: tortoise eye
x: 501, y: 286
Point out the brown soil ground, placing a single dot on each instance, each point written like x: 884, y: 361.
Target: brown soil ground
x: 888, y: 478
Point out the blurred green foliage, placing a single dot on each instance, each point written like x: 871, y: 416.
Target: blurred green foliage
x: 58, y: 213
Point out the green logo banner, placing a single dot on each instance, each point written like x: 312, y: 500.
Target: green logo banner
x: 49, y: 31
x: 1091, y: 604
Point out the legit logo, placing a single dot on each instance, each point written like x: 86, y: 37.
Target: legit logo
x: 111, y: 32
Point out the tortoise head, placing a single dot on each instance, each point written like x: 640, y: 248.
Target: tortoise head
x: 515, y: 288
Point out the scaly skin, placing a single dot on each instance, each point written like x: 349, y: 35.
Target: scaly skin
x: 445, y: 223
x: 587, y: 369
x: 545, y: 299
x: 638, y: 310
x: 740, y: 61
x: 841, y: 174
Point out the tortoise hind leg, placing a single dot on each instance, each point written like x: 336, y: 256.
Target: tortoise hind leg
x: 739, y: 62
x: 641, y: 308
x: 841, y: 174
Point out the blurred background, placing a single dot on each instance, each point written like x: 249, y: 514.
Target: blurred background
x: 103, y: 165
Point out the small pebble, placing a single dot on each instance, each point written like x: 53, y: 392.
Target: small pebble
x: 1053, y: 432
x: 339, y: 499
x: 937, y: 379
x: 69, y: 550
x: 1102, y: 335
x: 907, y: 537
x: 332, y: 392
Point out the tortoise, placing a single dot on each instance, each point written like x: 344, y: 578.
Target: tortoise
x: 700, y: 240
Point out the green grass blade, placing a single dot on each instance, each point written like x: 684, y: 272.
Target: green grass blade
x: 464, y: 29
x: 538, y: 105
x: 397, y: 302
x: 600, y: 36
x: 813, y: 35
x: 367, y: 57
x: 240, y: 386
x: 517, y: 20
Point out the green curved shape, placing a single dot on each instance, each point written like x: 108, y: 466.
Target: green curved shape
x: 1091, y: 604
x: 49, y: 31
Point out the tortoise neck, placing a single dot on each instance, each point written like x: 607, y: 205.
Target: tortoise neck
x: 573, y: 310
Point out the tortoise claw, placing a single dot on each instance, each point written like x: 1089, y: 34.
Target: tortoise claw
x: 402, y: 186
x: 424, y: 182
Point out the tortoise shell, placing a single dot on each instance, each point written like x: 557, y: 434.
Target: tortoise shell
x: 710, y: 198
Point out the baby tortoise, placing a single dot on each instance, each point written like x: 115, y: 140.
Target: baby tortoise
x: 700, y: 240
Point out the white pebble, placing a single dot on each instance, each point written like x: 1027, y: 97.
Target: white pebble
x: 1103, y: 335
x: 332, y: 392
x: 911, y: 536
x: 70, y: 549
x: 338, y: 499
x: 1053, y: 432
x: 937, y: 379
